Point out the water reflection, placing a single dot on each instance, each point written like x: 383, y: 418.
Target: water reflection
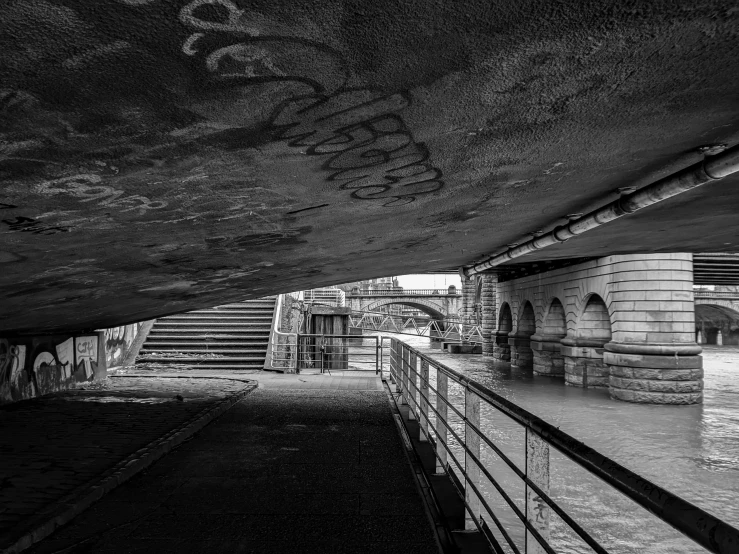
x: 693, y: 451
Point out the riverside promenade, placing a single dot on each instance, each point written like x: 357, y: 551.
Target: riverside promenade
x: 301, y: 463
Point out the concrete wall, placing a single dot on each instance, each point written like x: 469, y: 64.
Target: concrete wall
x: 123, y: 343
x: 31, y: 366
x: 626, y: 322
x: 34, y: 366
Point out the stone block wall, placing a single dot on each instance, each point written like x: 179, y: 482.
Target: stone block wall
x: 624, y: 315
x: 489, y: 312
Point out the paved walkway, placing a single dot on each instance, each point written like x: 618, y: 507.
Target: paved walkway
x: 56, y: 451
x: 302, y: 464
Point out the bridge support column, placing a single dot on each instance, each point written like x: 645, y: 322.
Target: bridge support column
x: 626, y: 322
x: 522, y: 356
x: 583, y: 363
x: 501, y: 348
x: 653, y: 356
x: 468, y: 299
x: 547, y: 356
x: 489, y: 313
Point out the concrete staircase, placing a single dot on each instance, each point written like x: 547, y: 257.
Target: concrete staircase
x: 228, y: 337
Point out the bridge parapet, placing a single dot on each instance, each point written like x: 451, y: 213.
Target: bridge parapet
x: 722, y: 294
x: 405, y: 292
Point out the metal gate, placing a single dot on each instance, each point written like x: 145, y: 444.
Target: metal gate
x: 327, y: 353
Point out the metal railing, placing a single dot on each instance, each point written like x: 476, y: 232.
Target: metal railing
x: 406, y: 292
x: 416, y: 388
x: 282, y: 347
x: 324, y: 353
x: 449, y: 329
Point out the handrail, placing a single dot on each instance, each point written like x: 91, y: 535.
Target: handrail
x: 277, y: 351
x: 707, y: 530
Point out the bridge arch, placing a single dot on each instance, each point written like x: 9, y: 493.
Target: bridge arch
x: 426, y: 306
x: 714, y: 315
x: 522, y: 356
x: 545, y: 343
x: 583, y: 352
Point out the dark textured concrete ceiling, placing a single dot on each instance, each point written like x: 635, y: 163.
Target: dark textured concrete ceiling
x: 158, y: 156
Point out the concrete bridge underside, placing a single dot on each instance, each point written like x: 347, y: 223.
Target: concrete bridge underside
x: 160, y: 156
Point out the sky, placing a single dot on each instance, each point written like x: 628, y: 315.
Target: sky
x: 429, y: 281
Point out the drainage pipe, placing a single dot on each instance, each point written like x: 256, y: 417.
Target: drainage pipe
x: 710, y: 169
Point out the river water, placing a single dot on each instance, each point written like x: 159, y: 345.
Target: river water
x: 692, y: 451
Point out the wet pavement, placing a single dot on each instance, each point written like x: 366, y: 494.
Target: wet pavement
x: 286, y: 469
x: 56, y: 448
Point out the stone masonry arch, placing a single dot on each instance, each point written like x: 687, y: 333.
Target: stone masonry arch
x: 651, y: 356
x: 502, y: 350
x: 430, y: 307
x: 583, y: 350
x: 522, y: 356
x: 714, y: 315
x: 545, y: 344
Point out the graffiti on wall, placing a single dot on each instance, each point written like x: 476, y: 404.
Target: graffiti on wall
x: 89, y: 188
x: 118, y: 341
x: 34, y: 366
x: 368, y: 148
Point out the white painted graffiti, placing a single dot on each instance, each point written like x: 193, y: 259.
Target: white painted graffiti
x: 65, y: 353
x: 86, y: 349
x: 87, y: 187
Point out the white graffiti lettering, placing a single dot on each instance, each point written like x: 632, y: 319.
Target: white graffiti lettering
x: 87, y: 188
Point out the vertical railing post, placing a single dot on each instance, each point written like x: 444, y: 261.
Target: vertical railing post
x: 398, y: 368
x: 423, y: 418
x: 471, y: 469
x: 378, y: 357
x: 412, y: 384
x: 537, y: 470
x: 404, y: 373
x: 442, y: 392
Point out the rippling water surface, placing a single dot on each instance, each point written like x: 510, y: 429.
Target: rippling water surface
x: 693, y: 451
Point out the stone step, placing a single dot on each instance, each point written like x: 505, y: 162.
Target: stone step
x: 219, y: 367
x: 206, y: 344
x: 238, y: 333
x: 212, y: 361
x: 178, y: 326
x: 259, y: 305
x: 230, y: 354
x: 177, y: 340
x: 209, y: 332
x: 209, y: 317
x: 227, y: 313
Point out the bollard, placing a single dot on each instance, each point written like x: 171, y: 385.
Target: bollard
x: 423, y: 418
x: 442, y: 392
x: 537, y: 470
x: 471, y: 469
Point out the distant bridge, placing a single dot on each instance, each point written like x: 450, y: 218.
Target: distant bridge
x: 727, y: 302
x: 439, y: 304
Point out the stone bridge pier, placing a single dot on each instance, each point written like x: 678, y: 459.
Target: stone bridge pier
x: 624, y: 322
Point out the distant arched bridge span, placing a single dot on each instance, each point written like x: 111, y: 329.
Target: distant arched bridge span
x: 438, y: 304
